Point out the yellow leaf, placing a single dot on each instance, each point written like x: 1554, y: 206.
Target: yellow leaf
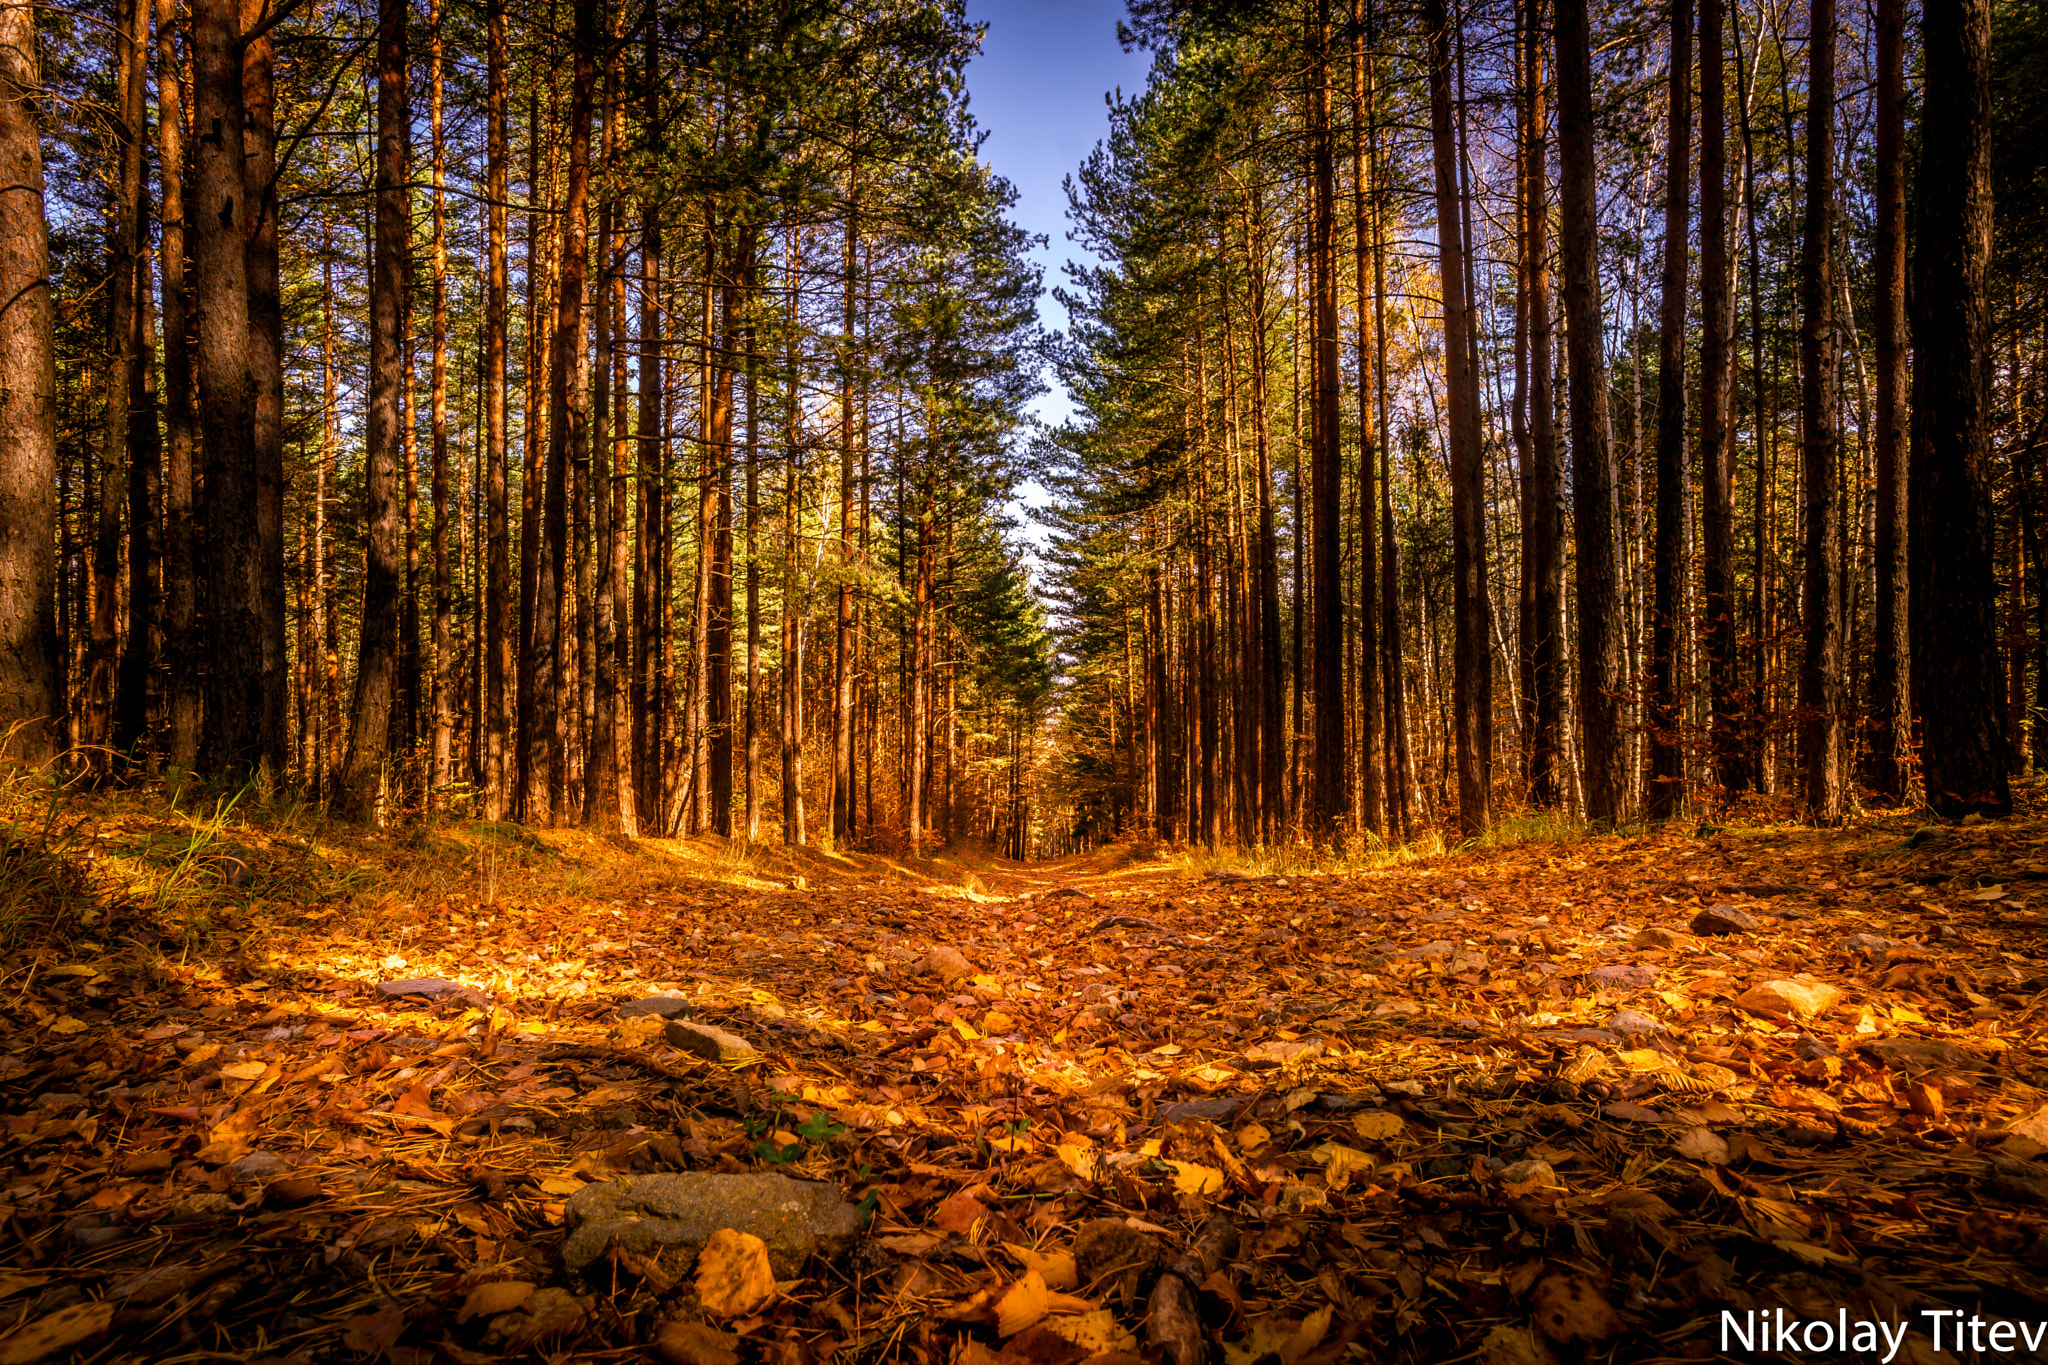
x: 1079, y: 1160
x: 1340, y: 1163
x: 561, y: 1185
x: 733, y: 1276
x: 68, y: 1025
x: 1056, y: 1268
x: 244, y: 1071
x: 1306, y: 1337
x: 1191, y: 1178
x: 60, y: 1331
x: 1378, y: 1125
x: 1646, y: 1059
x: 968, y: 1032
x: 73, y: 969
x: 1022, y: 1304
x: 1095, y: 1332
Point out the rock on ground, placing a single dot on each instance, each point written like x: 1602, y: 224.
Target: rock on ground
x: 682, y: 1209
x: 1801, y: 999
x: 660, y: 1006
x: 709, y: 1041
x: 1725, y: 919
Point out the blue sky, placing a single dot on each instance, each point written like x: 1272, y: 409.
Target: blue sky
x: 1037, y: 89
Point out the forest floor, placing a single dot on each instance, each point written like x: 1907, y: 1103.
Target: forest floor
x: 1499, y: 1104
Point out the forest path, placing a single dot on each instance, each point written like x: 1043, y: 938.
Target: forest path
x: 1500, y: 1100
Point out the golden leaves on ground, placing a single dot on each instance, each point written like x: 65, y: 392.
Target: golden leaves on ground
x: 733, y: 1277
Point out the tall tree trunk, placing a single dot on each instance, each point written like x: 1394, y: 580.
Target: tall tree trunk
x: 1472, y: 702
x: 142, y: 649
x: 1716, y: 423
x: 1330, y: 802
x: 1666, y: 792
x: 1371, y: 705
x: 753, y: 751
x: 221, y: 224
x: 1953, y: 589
x: 1543, y: 498
x: 498, y: 642
x: 1890, y: 727
x: 96, y: 720
x: 362, y: 776
x: 568, y: 441
x: 31, y: 665
x: 792, y: 727
x: 182, y: 648
x: 650, y: 513
x: 1821, y: 758
x: 441, y: 711
x: 1593, y: 481
x: 266, y: 377
x: 842, y: 657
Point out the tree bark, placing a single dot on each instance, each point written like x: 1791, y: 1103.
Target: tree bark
x: 498, y: 642
x: 30, y: 662
x: 362, y: 777
x: 1666, y: 791
x: 1821, y: 758
x: 231, y: 572
x: 183, y: 700
x: 96, y: 705
x: 1472, y: 684
x: 441, y: 707
x: 1717, y: 436
x: 1330, y: 801
x: 1594, y: 509
x: 1889, y: 734
x: 1953, y: 589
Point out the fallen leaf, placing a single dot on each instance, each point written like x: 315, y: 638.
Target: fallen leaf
x: 695, y: 1343
x: 59, y: 1331
x: 499, y: 1296
x: 1192, y: 1178
x: 1703, y: 1144
x: 1020, y: 1305
x: 1057, y: 1268
x: 374, y: 1333
x: 959, y: 1213
x: 733, y: 1276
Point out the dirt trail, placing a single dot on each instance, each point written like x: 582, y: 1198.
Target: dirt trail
x: 1502, y: 1102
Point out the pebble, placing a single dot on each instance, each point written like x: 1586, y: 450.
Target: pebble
x: 658, y: 1006
x: 1631, y: 1022
x: 709, y: 1041
x: 1623, y: 976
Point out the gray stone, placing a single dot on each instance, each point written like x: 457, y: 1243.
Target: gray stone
x: 1657, y: 936
x: 709, y: 1042
x: 1626, y: 976
x: 1918, y: 1055
x: 1215, y: 1110
x: 431, y: 988
x: 643, y: 1213
x: 1872, y: 947
x: 658, y: 1006
x: 1631, y: 1022
x: 1725, y: 919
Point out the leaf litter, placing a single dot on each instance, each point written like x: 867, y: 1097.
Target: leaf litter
x: 1520, y: 1104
